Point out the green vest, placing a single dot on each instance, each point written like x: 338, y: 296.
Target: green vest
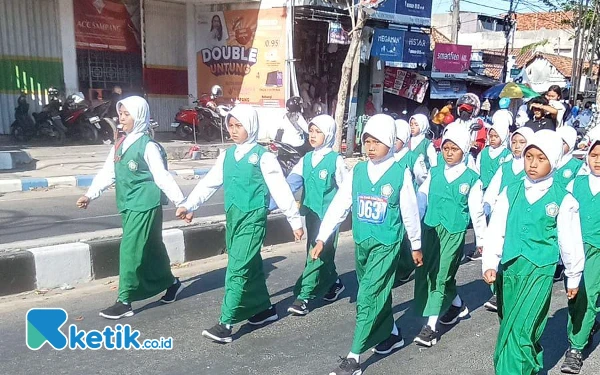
x: 449, y: 201
x: 134, y: 184
x: 376, y: 207
x: 531, y: 228
x: 589, y: 205
x: 567, y: 172
x: 320, y: 185
x: 508, y: 176
x: 421, y: 149
x: 488, y: 166
x: 408, y: 161
x: 243, y: 180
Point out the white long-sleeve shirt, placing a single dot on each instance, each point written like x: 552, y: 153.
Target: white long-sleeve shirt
x: 341, y: 171
x: 419, y: 169
x: 567, y: 223
x: 493, y: 190
x: 474, y: 200
x: 342, y: 203
x: 431, y: 153
x: 271, y: 171
x: 163, y: 179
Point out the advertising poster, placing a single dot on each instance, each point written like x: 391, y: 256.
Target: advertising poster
x: 409, y: 85
x: 243, y: 51
x: 107, y: 25
x: 401, y: 49
x: 410, y: 12
x: 451, y: 61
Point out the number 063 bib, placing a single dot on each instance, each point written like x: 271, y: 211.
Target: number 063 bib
x: 372, y: 209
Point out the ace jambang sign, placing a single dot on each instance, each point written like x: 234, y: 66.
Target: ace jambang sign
x: 243, y: 51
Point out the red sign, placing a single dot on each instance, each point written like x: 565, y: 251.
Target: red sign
x: 407, y: 84
x: 107, y: 25
x: 451, y: 61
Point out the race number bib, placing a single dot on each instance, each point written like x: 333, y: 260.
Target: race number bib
x: 372, y: 209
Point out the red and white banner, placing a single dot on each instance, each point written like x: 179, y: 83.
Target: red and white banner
x: 409, y: 85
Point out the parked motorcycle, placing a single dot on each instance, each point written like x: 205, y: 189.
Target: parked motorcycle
x: 206, y: 118
x: 46, y: 124
x: 287, y: 156
x: 108, y: 124
x: 81, y: 123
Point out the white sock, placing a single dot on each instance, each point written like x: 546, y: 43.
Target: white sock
x: 228, y: 326
x: 356, y: 357
x: 432, y: 321
x: 457, y: 301
x: 395, y: 330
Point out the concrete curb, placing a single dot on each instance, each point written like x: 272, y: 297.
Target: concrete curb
x: 12, y: 158
x: 26, y: 184
x: 50, y: 266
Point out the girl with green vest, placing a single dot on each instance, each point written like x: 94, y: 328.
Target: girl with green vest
x: 321, y: 172
x: 248, y: 174
x: 416, y: 165
x: 137, y: 167
x: 535, y: 221
x: 381, y: 195
x: 568, y: 167
x: 419, y: 144
x: 493, y: 155
x: 449, y: 197
x: 584, y: 307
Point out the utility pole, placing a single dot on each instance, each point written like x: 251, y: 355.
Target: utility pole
x: 455, y: 20
x: 508, y: 25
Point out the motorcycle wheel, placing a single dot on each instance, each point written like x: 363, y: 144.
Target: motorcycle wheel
x: 89, y: 133
x: 106, y: 134
x: 19, y: 133
x: 184, y: 131
x: 59, y: 137
x: 210, y: 133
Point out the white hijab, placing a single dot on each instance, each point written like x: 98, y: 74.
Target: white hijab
x: 403, y: 131
x: 569, y: 136
x: 593, y: 142
x: 139, y: 110
x: 550, y: 143
x: 248, y: 117
x: 382, y: 128
x: 460, y: 137
x: 326, y: 124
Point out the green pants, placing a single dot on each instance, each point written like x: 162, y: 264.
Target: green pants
x: 435, y: 281
x: 144, y: 266
x: 524, y: 292
x: 320, y: 274
x: 376, y: 266
x: 246, y: 291
x: 584, y: 307
x: 406, y: 265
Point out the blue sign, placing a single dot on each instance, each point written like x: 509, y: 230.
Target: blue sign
x: 409, y: 12
x: 400, y: 48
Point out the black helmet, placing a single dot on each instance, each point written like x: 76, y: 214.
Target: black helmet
x: 294, y: 104
x: 22, y: 99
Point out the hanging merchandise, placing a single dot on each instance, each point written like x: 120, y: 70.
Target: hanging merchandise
x: 408, y: 85
x: 337, y: 34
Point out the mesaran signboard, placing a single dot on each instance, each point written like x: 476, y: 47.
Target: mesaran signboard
x: 451, y: 61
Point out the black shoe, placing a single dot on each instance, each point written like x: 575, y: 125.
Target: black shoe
x: 298, y: 308
x: 454, y: 313
x: 348, y: 366
x: 559, y: 274
x: 218, y: 333
x: 172, y: 292
x: 117, y: 311
x: 491, y: 304
x: 476, y: 255
x: 268, y: 315
x: 335, y: 291
x: 427, y: 337
x: 391, y: 343
x: 572, y: 363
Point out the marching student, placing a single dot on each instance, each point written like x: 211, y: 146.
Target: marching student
x: 535, y: 221
x: 582, y: 309
x: 419, y: 144
x: 248, y: 174
x: 384, y: 207
x: 137, y: 167
x: 447, y: 199
x: 568, y: 167
x: 495, y: 154
x: 322, y: 172
x: 416, y: 164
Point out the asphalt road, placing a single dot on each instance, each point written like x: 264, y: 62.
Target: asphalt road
x: 292, y: 345
x: 52, y: 212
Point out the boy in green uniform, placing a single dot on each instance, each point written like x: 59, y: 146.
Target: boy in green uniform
x: 416, y: 165
x: 384, y: 206
x: 450, y: 195
x: 419, y: 144
x: 249, y: 174
x: 137, y: 167
x: 534, y: 223
x: 584, y: 307
x: 493, y: 155
x: 321, y: 172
